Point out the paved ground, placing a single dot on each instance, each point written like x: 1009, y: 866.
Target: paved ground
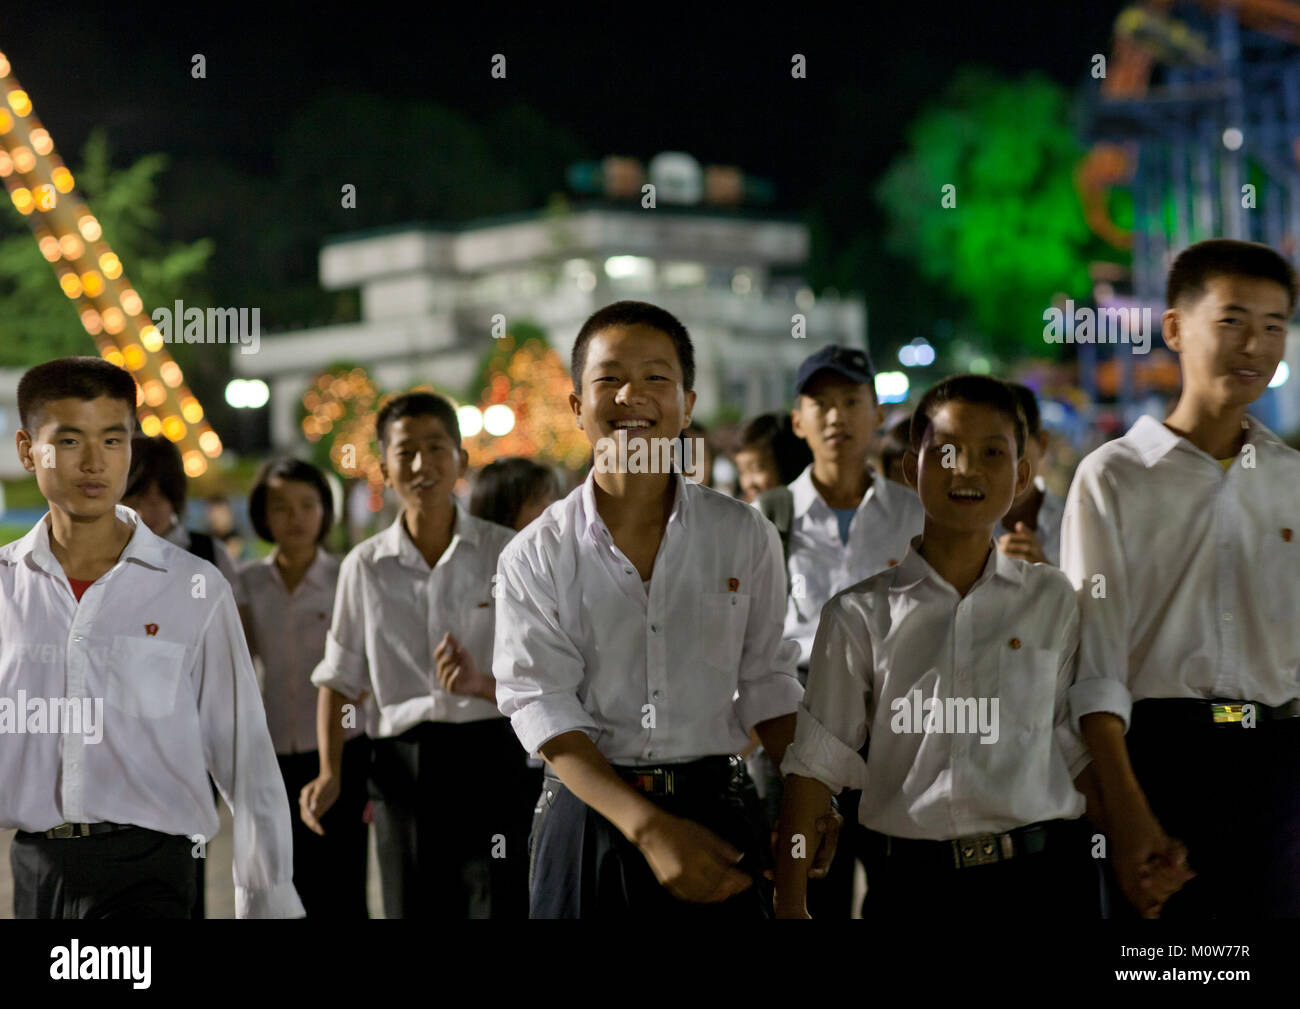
x: 221, y: 887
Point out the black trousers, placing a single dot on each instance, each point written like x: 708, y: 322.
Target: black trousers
x: 329, y: 872
x: 135, y: 873
x: 451, y: 822
x: 583, y: 866
x: 1232, y: 796
x: 1061, y: 883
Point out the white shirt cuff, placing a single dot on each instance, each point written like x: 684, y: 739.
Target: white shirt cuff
x: 777, y: 695
x: 818, y: 753
x: 540, y: 721
x: 280, y: 901
x: 1099, y: 694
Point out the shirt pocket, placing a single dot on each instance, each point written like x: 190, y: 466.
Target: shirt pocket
x: 723, y: 618
x: 1027, y: 685
x: 143, y: 675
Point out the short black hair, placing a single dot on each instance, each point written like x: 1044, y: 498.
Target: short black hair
x: 894, y: 444
x: 773, y: 433
x: 1197, y: 264
x: 981, y: 389
x: 288, y: 468
x: 417, y: 404
x: 504, y: 486
x: 72, y: 378
x: 634, y: 313
x: 157, y: 461
x: 1029, y: 404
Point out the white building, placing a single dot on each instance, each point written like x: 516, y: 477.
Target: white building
x: 428, y: 298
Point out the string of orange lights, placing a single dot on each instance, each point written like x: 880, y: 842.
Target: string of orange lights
x: 91, y: 275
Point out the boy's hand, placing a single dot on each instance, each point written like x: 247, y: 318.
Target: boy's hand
x: 457, y: 671
x: 315, y: 800
x: 1023, y: 544
x: 1150, y: 865
x: 691, y: 861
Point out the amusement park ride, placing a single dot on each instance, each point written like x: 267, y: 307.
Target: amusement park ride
x: 1198, y: 116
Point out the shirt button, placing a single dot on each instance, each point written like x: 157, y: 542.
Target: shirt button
x: 650, y: 753
x: 627, y: 571
x: 1227, y: 617
x: 654, y: 628
x: 76, y: 637
x: 657, y: 693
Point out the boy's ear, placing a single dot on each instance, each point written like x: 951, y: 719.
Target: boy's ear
x: 575, y: 404
x: 1024, y: 473
x: 23, y: 441
x: 1171, y: 330
x: 464, y: 462
x: 911, y: 467
x: 879, y: 419
x: 795, y: 425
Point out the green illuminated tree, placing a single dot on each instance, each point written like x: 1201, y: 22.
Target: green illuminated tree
x: 1016, y: 234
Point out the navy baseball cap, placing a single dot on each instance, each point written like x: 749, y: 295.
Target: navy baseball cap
x: 850, y: 362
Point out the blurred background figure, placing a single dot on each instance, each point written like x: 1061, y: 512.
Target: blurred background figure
x: 768, y: 454
x: 290, y: 596
x: 893, y: 444
x: 1031, y: 530
x: 221, y: 525
x: 512, y: 492
x: 700, y: 468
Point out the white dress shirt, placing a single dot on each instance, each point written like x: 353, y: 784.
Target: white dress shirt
x: 1048, y: 532
x: 1199, y: 587
x: 681, y: 672
x: 288, y: 632
x: 157, y: 639
x: 821, y: 564
x: 391, y: 611
x: 1013, y: 637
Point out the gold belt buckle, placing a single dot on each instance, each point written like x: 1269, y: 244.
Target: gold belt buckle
x: 64, y: 830
x: 1227, y: 713
x: 979, y: 849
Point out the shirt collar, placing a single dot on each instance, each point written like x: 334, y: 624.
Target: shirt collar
x: 143, y: 546
x: 394, y: 542
x: 315, y: 573
x: 914, y: 569
x: 591, y: 520
x: 805, y: 494
x: 1153, y: 441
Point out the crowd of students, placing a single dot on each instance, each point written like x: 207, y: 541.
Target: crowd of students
x: 649, y: 699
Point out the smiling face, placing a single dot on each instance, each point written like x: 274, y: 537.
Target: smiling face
x: 1230, y: 340
x: 80, y: 453
x: 757, y: 472
x: 836, y: 417
x: 982, y: 476
x: 632, y: 381
x: 421, y: 461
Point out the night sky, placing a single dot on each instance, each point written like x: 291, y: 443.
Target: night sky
x: 627, y: 80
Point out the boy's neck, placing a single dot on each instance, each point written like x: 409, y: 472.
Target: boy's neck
x: 87, y: 549
x: 1218, y: 431
x: 841, y: 483
x: 431, y: 530
x: 624, y: 499
x: 957, y: 556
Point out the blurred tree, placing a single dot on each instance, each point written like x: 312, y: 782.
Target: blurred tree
x: 37, y: 321
x: 1016, y: 234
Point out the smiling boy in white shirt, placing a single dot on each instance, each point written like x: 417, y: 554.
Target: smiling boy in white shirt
x: 1180, y: 538
x: 956, y: 664
x: 638, y: 643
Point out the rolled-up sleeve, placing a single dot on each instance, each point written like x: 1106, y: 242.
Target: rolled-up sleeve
x: 832, y: 723
x: 344, y: 668
x: 1092, y: 555
x: 538, y: 669
x: 767, y: 686
x: 241, y: 759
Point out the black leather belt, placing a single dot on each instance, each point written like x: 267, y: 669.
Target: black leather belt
x: 975, y: 849
x: 1194, y: 712
x: 710, y: 773
x: 67, y: 830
